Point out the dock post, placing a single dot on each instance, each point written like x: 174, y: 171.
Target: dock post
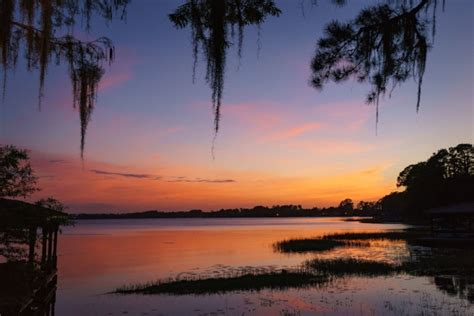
x: 50, y: 247
x: 43, y: 247
x: 32, y: 243
x: 55, y: 247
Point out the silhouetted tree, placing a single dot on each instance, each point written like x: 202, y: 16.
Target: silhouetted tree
x: 460, y: 161
x: 446, y: 177
x: 16, y: 175
x: 367, y: 208
x: 346, y: 205
x: 386, y: 44
x: 412, y: 175
x: 393, y: 203
x: 52, y: 204
x: 44, y: 31
x: 456, y: 162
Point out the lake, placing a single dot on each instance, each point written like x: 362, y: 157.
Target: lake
x: 98, y: 256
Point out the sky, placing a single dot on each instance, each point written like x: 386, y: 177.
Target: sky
x: 281, y: 141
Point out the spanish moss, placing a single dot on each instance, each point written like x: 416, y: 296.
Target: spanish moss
x: 384, y: 45
x: 42, y: 30
x: 210, y: 22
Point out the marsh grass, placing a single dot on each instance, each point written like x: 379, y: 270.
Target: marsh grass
x: 319, y: 271
x: 433, y: 265
x: 314, y: 245
x: 306, y: 245
x: 247, y: 282
x: 316, y: 272
x: 330, y: 242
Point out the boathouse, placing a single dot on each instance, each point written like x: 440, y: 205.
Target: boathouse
x: 28, y: 257
x: 455, y: 219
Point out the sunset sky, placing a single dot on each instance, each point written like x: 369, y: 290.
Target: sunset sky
x: 149, y: 141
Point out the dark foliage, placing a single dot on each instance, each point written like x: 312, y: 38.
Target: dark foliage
x: 257, y: 211
x: 43, y: 30
x: 52, y: 204
x: 346, y: 205
x: 384, y: 45
x: 213, y: 25
x: 367, y: 208
x: 16, y: 175
x: 447, y: 177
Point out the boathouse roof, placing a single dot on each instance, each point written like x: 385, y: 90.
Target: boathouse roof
x: 19, y: 213
x: 457, y: 209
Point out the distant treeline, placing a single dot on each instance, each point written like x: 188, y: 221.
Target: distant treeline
x: 345, y: 208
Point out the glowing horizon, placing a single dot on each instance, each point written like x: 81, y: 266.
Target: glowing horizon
x: 281, y: 142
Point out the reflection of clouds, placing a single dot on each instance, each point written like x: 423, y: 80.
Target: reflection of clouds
x: 390, y: 251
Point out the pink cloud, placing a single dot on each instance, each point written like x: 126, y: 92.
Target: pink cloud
x: 293, y: 131
x: 257, y: 115
x: 112, y: 80
x: 174, y: 129
x: 333, y: 147
x: 120, y: 71
x: 347, y: 116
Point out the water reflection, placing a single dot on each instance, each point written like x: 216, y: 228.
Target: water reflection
x: 96, y: 258
x: 388, y: 253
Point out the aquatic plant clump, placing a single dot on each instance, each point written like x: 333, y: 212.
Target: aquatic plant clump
x: 307, y: 245
x: 315, y: 245
x: 329, y: 242
x: 247, y: 282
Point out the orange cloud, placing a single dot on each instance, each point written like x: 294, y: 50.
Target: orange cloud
x: 96, y: 186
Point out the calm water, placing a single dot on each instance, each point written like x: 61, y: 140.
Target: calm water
x: 97, y: 256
